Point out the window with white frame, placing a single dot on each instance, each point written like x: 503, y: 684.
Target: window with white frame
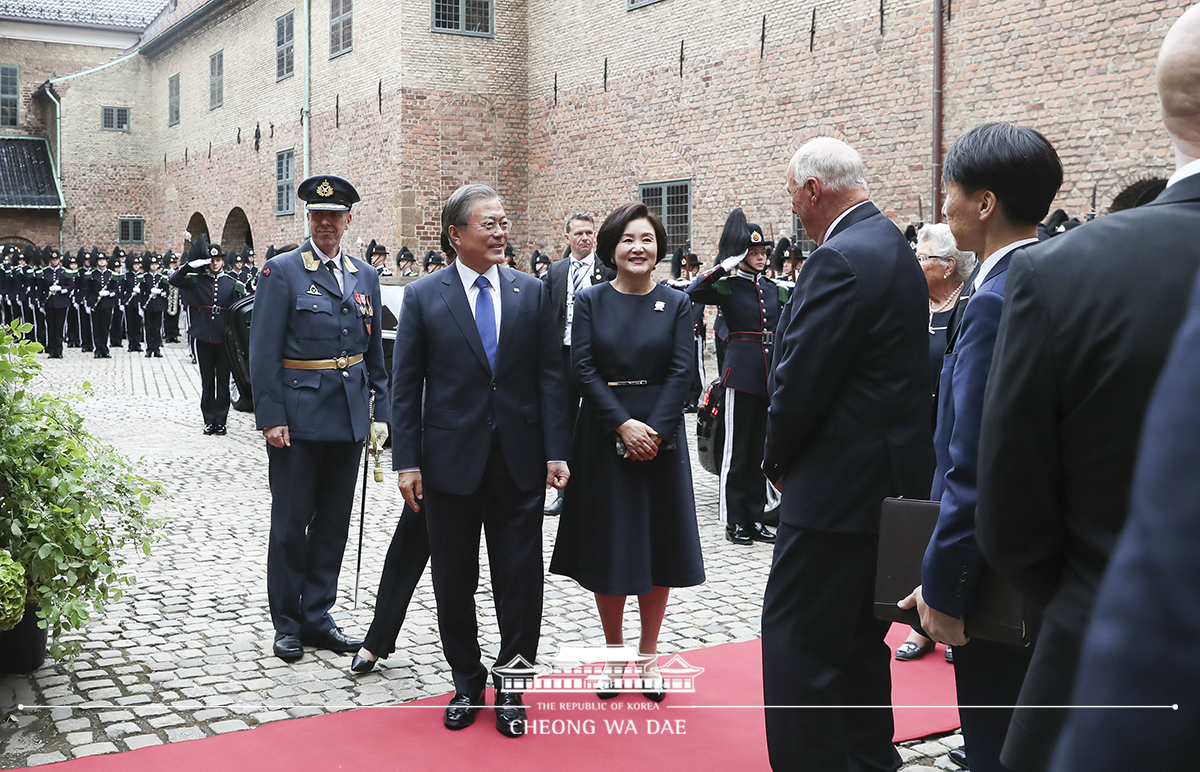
x: 114, y: 118
x: 802, y: 243
x: 672, y: 202
x: 462, y: 17
x: 131, y: 230
x: 341, y: 27
x: 10, y: 96
x: 285, y: 182
x: 216, y: 80
x: 173, y: 100
x: 284, y: 46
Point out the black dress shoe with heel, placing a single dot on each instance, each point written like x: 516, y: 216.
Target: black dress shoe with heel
x: 510, y: 714
x: 460, y: 713
x: 361, y: 664
x: 332, y: 639
x: 738, y: 534
x: 287, y: 647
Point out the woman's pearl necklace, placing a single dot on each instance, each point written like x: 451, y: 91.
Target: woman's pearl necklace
x: 949, y: 300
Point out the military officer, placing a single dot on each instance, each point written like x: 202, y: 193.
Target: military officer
x: 209, y: 290
x: 316, y: 362
x: 103, y: 295
x: 155, y: 289
x: 751, y: 304
x: 56, y: 298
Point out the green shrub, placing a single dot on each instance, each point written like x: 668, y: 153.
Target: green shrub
x: 12, y: 592
x: 69, y: 503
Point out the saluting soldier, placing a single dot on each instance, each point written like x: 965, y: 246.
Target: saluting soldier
x: 316, y: 362
x: 155, y: 289
x: 209, y: 292
x: 751, y: 304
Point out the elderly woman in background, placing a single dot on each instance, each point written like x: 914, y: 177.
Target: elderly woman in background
x: 628, y: 523
x: 947, y: 269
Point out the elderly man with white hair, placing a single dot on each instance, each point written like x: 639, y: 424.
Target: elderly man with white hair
x: 848, y: 426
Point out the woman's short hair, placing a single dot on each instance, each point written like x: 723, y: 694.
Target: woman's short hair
x: 457, y: 211
x: 613, y: 228
x: 941, y: 242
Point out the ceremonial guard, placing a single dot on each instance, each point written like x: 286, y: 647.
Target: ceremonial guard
x: 35, y: 294
x: 155, y: 289
x: 209, y: 292
x: 316, y: 362
x: 541, y: 264
x: 116, y: 328
x: 751, y: 305
x: 171, y: 317
x: 70, y: 285
x: 434, y: 261
x: 404, y: 262
x: 84, y: 302
x: 5, y: 284
x: 684, y: 264
x: 57, y: 298
x: 133, y: 301
x: 103, y: 296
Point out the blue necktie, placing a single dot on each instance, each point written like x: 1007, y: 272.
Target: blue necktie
x: 485, y: 320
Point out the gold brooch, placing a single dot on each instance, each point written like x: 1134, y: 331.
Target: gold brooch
x: 325, y: 190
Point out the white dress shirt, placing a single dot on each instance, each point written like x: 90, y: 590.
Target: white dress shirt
x: 335, y: 261
x: 1184, y: 172
x: 990, y: 263
x: 468, y: 279
x: 588, y: 266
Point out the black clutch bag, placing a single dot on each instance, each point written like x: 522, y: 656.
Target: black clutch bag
x: 664, y: 445
x: 999, y: 613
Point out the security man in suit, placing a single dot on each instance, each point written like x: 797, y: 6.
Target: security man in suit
x: 209, y: 290
x: 750, y: 303
x: 316, y: 362
x: 57, y: 298
x: 565, y: 279
x: 848, y: 426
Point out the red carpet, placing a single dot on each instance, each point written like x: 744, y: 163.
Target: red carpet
x: 579, y: 731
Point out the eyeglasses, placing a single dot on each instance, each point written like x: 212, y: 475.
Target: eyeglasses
x: 926, y: 258
x: 491, y: 226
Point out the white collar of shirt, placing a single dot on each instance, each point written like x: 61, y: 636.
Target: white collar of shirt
x: 588, y: 261
x: 994, y: 258
x: 1184, y: 172
x: 334, y: 261
x: 840, y: 217
x: 468, y: 279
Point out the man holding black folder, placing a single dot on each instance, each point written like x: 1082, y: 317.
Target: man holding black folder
x: 999, y: 181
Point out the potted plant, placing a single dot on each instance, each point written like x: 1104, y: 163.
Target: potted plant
x: 69, y: 506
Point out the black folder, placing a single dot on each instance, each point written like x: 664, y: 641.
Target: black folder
x: 905, y: 528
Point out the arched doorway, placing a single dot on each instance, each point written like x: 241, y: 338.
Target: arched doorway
x: 236, y: 233
x: 1137, y: 194
x: 197, y: 226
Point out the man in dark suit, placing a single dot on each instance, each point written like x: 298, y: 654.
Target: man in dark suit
x: 1088, y: 321
x: 478, y: 341
x: 316, y: 362
x: 999, y: 181
x: 848, y: 426
x: 566, y: 278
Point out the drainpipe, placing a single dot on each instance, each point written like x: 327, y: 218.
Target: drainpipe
x: 62, y: 212
x: 938, y: 79
x: 307, y: 94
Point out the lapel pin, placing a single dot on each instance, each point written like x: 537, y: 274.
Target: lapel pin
x: 516, y: 289
x: 659, y: 305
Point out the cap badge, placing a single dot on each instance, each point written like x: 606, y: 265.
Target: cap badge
x: 325, y: 190
x: 756, y: 237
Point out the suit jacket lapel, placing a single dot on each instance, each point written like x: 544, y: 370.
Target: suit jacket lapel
x: 455, y: 297
x: 510, y: 306
x: 349, y: 279
x: 867, y: 209
x: 321, y: 276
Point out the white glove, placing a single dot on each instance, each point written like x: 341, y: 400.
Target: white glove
x: 104, y: 293
x: 379, y: 435
x: 55, y: 288
x: 730, y: 263
x: 199, y: 263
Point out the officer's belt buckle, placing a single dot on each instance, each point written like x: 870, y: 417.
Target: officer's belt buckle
x: 629, y: 383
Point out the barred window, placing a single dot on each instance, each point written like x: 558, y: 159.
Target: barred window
x: 114, y: 118
x: 10, y: 95
x: 341, y: 27
x: 465, y: 17
x: 285, y: 182
x: 173, y: 100
x: 284, y: 46
x: 672, y: 202
x: 131, y: 230
x: 216, y: 80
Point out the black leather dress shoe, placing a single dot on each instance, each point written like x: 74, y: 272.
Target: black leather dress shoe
x: 460, y: 713
x: 510, y: 714
x: 555, y: 508
x: 158, y: 355
x: 333, y: 639
x: 362, y: 664
x: 209, y: 429
x: 219, y: 429
x: 958, y: 756
x: 287, y: 647
x: 759, y: 532
x: 738, y: 534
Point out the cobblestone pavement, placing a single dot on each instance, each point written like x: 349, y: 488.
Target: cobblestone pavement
x: 187, y: 652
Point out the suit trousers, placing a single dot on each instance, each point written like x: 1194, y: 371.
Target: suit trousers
x: 822, y: 645
x: 154, y: 331
x: 987, y: 673
x: 407, y: 556
x: 56, y: 319
x: 312, y: 495
x: 511, y: 519
x: 101, y: 322
x: 214, y: 382
x: 743, y: 486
